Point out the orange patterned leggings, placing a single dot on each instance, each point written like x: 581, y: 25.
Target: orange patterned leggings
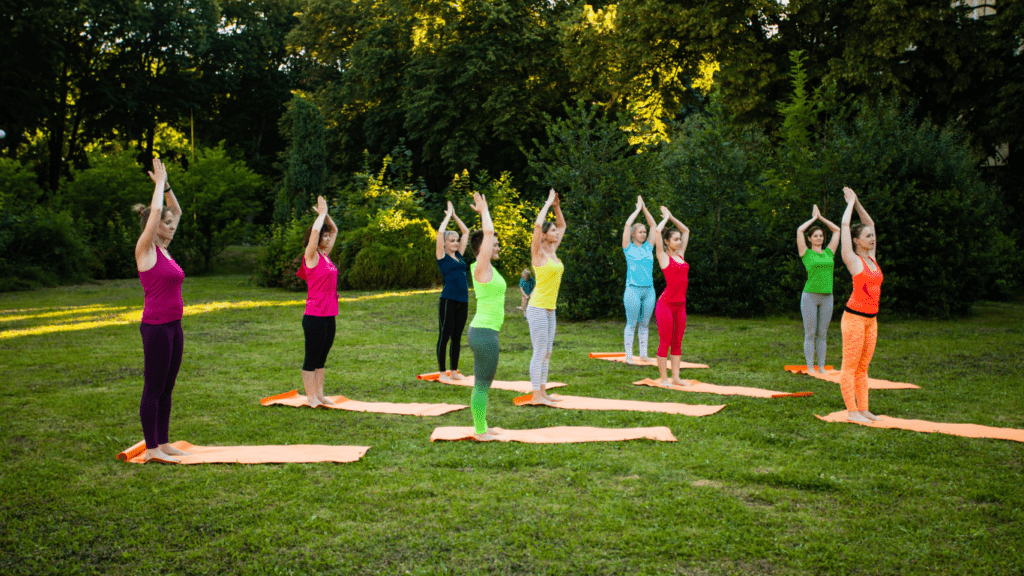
x: 859, y: 337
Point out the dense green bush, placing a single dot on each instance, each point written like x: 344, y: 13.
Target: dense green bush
x: 218, y: 199
x: 101, y: 198
x: 512, y: 217
x: 39, y: 245
x: 716, y: 173
x: 280, y: 255
x: 939, y: 239
x: 372, y: 258
x: 589, y: 159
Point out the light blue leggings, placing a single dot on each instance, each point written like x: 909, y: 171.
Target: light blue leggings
x: 817, y: 312
x: 639, y: 301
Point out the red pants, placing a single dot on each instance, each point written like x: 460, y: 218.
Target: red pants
x: 859, y: 337
x: 671, y: 327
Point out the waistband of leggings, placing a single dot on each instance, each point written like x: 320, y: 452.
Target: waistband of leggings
x: 858, y: 313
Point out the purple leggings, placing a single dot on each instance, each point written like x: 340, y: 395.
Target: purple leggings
x: 162, y: 346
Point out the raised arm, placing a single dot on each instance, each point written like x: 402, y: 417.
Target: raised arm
x: 538, y: 225
x: 463, y: 231
x: 439, y: 252
x: 650, y: 220
x: 559, y: 218
x: 626, y: 236
x: 169, y: 198
x: 685, y: 233
x: 333, y: 234
x: 850, y: 258
x: 147, y: 239
x: 311, y: 255
x: 801, y: 240
x: 659, y: 245
x: 867, y: 221
x: 484, y: 271
x: 834, y: 242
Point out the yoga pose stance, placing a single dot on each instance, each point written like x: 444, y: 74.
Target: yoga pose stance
x: 453, y: 306
x: 540, y: 314
x: 489, y: 287
x: 670, y: 310
x: 860, y: 326
x: 816, y: 300
x: 319, y: 321
x: 162, y: 339
x: 639, y: 296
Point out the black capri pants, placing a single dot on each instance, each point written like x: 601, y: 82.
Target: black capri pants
x: 319, y: 331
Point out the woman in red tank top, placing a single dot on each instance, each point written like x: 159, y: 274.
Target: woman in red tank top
x: 859, y: 323
x: 670, y: 309
x: 162, y: 338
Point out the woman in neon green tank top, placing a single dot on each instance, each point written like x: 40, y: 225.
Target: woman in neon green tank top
x: 540, y: 314
x: 489, y: 289
x: 816, y: 300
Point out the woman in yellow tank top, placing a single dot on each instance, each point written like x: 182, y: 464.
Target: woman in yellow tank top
x: 540, y: 314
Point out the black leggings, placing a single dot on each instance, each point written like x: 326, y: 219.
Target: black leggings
x: 451, y: 321
x: 162, y: 347
x: 319, y: 331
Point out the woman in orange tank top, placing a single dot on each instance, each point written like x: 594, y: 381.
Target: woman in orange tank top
x: 859, y: 324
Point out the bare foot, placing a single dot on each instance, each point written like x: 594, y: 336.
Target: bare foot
x: 629, y: 360
x: 313, y: 402
x: 156, y: 455
x: 456, y: 376
x: 549, y: 397
x: 485, y: 437
x: 870, y: 416
x: 854, y: 416
x: 541, y: 398
x: 678, y: 382
x: 171, y: 450
x: 493, y: 431
x: 664, y: 382
x: 324, y: 400
x: 645, y: 360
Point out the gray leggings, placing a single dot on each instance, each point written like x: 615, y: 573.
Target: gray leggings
x: 542, y: 334
x: 817, y: 312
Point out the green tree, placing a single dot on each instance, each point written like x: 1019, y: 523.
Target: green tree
x: 464, y: 85
x: 305, y: 175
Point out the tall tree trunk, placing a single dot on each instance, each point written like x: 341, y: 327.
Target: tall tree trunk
x: 55, y: 141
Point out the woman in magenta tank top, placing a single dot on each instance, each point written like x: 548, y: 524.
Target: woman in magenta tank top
x: 670, y: 310
x: 162, y: 338
x: 318, y: 323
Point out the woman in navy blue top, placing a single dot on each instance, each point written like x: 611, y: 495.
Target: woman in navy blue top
x: 454, y: 304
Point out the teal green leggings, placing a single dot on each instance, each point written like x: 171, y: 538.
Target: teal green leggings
x: 484, y: 343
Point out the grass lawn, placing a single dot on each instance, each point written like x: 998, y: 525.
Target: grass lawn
x: 762, y: 487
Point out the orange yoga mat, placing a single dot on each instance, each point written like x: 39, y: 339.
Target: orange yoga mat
x: 966, y: 430
x: 832, y: 375
x: 583, y: 403
x: 621, y: 358
x: 297, y: 400
x: 521, y: 386
x: 696, y: 386
x: 560, y: 434
x: 301, y: 453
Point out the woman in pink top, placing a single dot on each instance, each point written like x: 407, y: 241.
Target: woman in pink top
x: 318, y: 323
x: 670, y: 310
x: 162, y: 338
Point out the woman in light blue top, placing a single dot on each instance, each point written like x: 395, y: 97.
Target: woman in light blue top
x: 639, y: 296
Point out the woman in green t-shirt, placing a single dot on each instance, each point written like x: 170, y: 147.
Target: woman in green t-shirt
x: 816, y: 301
x: 489, y: 288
